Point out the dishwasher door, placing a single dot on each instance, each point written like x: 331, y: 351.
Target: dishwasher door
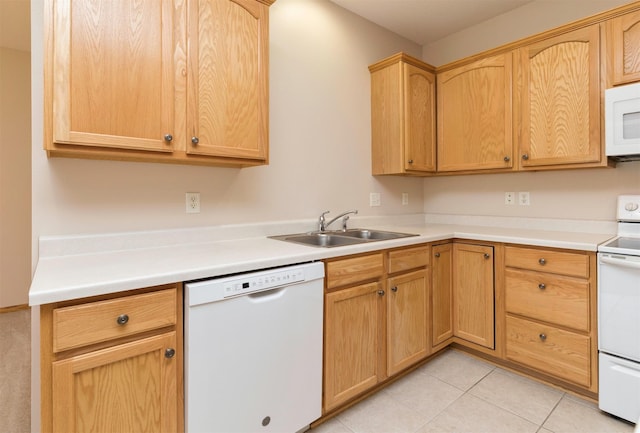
x: 253, y: 362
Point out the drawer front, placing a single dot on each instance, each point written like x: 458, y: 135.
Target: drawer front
x: 408, y: 258
x: 550, y: 350
x: 551, y: 298
x: 354, y: 269
x: 80, y: 325
x: 556, y: 262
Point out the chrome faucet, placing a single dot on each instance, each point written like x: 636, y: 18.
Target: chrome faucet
x: 322, y: 225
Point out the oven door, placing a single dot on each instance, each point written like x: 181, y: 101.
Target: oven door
x: 619, y: 305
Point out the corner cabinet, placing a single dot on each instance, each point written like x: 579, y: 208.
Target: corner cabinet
x: 403, y: 123
x: 121, y: 84
x: 475, y: 116
x: 473, y: 294
x: 113, y: 363
x: 441, y: 295
x: 559, y: 91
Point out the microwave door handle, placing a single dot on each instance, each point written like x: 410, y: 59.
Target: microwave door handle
x: 619, y: 262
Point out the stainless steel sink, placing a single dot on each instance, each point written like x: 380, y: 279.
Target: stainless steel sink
x: 340, y: 238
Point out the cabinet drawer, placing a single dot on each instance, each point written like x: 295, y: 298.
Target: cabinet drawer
x: 550, y: 350
x: 551, y: 298
x: 556, y: 262
x: 84, y: 324
x: 408, y: 258
x: 354, y: 269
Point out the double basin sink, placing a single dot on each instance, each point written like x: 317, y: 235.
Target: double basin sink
x: 338, y: 238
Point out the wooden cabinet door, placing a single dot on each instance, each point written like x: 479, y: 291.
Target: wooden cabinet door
x: 353, y: 346
x: 419, y: 119
x: 407, y: 320
x: 112, y: 74
x: 475, y: 115
x: 473, y: 304
x: 403, y: 128
x: 623, y: 47
x: 129, y: 387
x: 442, y: 294
x: 227, y: 83
x: 560, y: 100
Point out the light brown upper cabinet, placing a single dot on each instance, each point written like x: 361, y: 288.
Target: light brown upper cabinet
x: 403, y: 124
x: 623, y: 48
x: 121, y: 84
x: 475, y: 115
x: 559, y: 84
x: 227, y: 83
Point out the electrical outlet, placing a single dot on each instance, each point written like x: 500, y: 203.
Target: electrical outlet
x: 509, y: 198
x: 193, y: 202
x: 405, y: 198
x: 524, y: 199
x: 374, y: 199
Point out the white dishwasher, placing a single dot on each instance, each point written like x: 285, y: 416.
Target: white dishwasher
x: 253, y: 351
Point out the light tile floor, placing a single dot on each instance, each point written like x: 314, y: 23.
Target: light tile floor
x: 459, y: 393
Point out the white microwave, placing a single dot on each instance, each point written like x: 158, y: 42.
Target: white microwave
x: 622, y: 122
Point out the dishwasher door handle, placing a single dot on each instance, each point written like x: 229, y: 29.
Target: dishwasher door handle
x: 267, y: 295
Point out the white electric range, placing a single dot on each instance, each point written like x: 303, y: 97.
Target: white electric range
x: 619, y: 315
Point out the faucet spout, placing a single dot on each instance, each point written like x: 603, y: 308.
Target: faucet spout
x: 344, y: 215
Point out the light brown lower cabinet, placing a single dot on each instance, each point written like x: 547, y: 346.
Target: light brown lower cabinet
x: 113, y: 363
x: 473, y: 294
x: 376, y: 322
x: 441, y: 294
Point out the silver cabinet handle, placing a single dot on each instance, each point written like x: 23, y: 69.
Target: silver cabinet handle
x: 381, y: 292
x: 507, y: 159
x: 122, y: 319
x: 542, y: 261
x: 542, y: 286
x: 487, y: 255
x: 170, y: 353
x: 195, y: 140
x: 394, y: 289
x: 525, y: 157
x: 542, y: 336
x: 437, y: 254
x: 168, y: 137
x: 411, y: 161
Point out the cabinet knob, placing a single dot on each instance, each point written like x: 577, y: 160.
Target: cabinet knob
x: 542, y: 286
x: 543, y: 337
x: 122, y: 319
x: 437, y: 254
x: 542, y: 261
x: 411, y: 161
x: 487, y: 255
x: 195, y: 140
x: 170, y: 353
x: 507, y: 159
x: 168, y: 137
x: 394, y: 289
x: 381, y: 292
x: 525, y: 156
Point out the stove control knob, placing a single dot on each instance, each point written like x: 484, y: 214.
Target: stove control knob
x: 631, y: 206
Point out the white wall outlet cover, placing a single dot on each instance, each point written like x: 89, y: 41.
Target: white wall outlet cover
x: 192, y: 202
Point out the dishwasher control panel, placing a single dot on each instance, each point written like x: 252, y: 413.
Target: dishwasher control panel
x: 218, y: 289
x: 261, y: 281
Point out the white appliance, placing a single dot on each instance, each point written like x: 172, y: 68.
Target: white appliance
x: 619, y: 315
x: 253, y: 351
x: 622, y: 122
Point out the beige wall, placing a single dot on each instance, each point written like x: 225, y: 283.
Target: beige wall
x: 15, y: 177
x: 319, y: 139
x: 573, y: 194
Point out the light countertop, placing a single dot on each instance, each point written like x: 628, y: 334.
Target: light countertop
x: 80, y: 266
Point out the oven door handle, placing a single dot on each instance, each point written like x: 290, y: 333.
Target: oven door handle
x: 621, y: 262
